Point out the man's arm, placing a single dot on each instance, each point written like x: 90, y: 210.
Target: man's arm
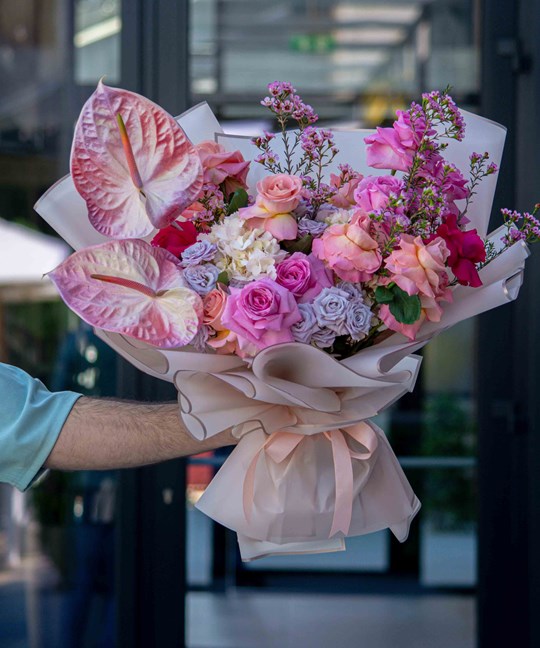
x: 106, y: 434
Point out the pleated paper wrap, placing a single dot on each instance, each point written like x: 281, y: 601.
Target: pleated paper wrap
x: 310, y: 468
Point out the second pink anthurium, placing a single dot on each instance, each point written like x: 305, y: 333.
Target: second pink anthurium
x: 133, y: 288
x: 132, y: 164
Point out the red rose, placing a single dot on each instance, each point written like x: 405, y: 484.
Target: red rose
x: 466, y: 250
x: 176, y: 240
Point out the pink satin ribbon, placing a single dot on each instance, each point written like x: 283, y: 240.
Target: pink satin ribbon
x: 281, y: 445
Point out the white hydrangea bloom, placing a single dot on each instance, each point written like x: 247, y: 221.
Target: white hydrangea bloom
x: 338, y: 217
x: 244, y: 253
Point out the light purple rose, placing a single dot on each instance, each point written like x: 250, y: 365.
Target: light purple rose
x: 263, y: 312
x: 358, y: 319
x: 201, y: 338
x: 330, y: 308
x: 309, y: 226
x: 198, y: 252
x: 373, y: 192
x: 353, y: 290
x: 304, y: 329
x: 323, y: 338
x: 202, y: 278
x: 304, y: 276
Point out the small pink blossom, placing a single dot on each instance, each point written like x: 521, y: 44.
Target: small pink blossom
x: 222, y: 166
x: 350, y: 251
x: 262, y: 312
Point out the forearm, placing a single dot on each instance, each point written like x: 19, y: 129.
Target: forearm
x: 105, y: 434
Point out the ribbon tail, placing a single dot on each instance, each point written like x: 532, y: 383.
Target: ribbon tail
x: 344, y: 483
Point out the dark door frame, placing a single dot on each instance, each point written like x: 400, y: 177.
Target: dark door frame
x: 151, y: 575
x: 508, y: 351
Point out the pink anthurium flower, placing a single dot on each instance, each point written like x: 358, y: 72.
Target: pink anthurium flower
x: 132, y: 164
x: 133, y: 288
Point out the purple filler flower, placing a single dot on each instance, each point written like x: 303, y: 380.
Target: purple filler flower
x: 330, y: 308
x: 202, y: 278
x: 198, y: 252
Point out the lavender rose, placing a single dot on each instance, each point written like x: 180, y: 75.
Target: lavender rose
x: 262, y: 312
x: 304, y: 276
x: 304, y: 329
x: 198, y: 252
x: 201, y: 278
x: 358, y: 319
x: 201, y: 338
x: 330, y: 308
x: 309, y: 226
x: 323, y: 338
x: 351, y: 289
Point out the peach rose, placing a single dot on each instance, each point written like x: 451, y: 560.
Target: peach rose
x: 277, y: 196
x: 350, y: 251
x: 419, y: 268
x: 223, y: 167
x: 280, y: 193
x: 213, y: 305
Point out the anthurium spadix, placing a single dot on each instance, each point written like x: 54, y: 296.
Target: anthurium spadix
x: 132, y: 164
x: 132, y: 288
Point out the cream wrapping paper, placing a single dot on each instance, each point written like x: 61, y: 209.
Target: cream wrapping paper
x: 286, y: 502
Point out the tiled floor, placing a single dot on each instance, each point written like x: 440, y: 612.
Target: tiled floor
x: 275, y: 620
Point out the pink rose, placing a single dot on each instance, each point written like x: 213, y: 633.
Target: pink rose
x: 344, y: 198
x: 350, y: 251
x: 222, y: 166
x: 261, y: 312
x: 176, y: 238
x: 409, y: 330
x: 277, y: 196
x: 394, y: 147
x: 419, y: 268
x: 280, y: 193
x: 213, y: 305
x: 304, y: 276
x: 373, y: 192
x: 227, y: 342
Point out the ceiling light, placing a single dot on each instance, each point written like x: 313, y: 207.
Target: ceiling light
x: 98, y: 32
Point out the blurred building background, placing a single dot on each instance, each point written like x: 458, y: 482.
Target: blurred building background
x: 125, y: 560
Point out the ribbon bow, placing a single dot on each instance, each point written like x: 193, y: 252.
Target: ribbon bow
x: 280, y: 445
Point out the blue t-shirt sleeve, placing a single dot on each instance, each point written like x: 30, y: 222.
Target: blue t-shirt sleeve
x: 31, y: 418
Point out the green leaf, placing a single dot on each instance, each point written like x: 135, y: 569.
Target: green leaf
x: 302, y: 245
x: 384, y: 295
x: 237, y: 200
x: 223, y: 278
x: 405, y: 308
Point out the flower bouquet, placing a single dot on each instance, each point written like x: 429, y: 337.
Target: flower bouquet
x: 283, y: 283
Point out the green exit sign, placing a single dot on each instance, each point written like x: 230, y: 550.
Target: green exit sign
x: 312, y: 43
